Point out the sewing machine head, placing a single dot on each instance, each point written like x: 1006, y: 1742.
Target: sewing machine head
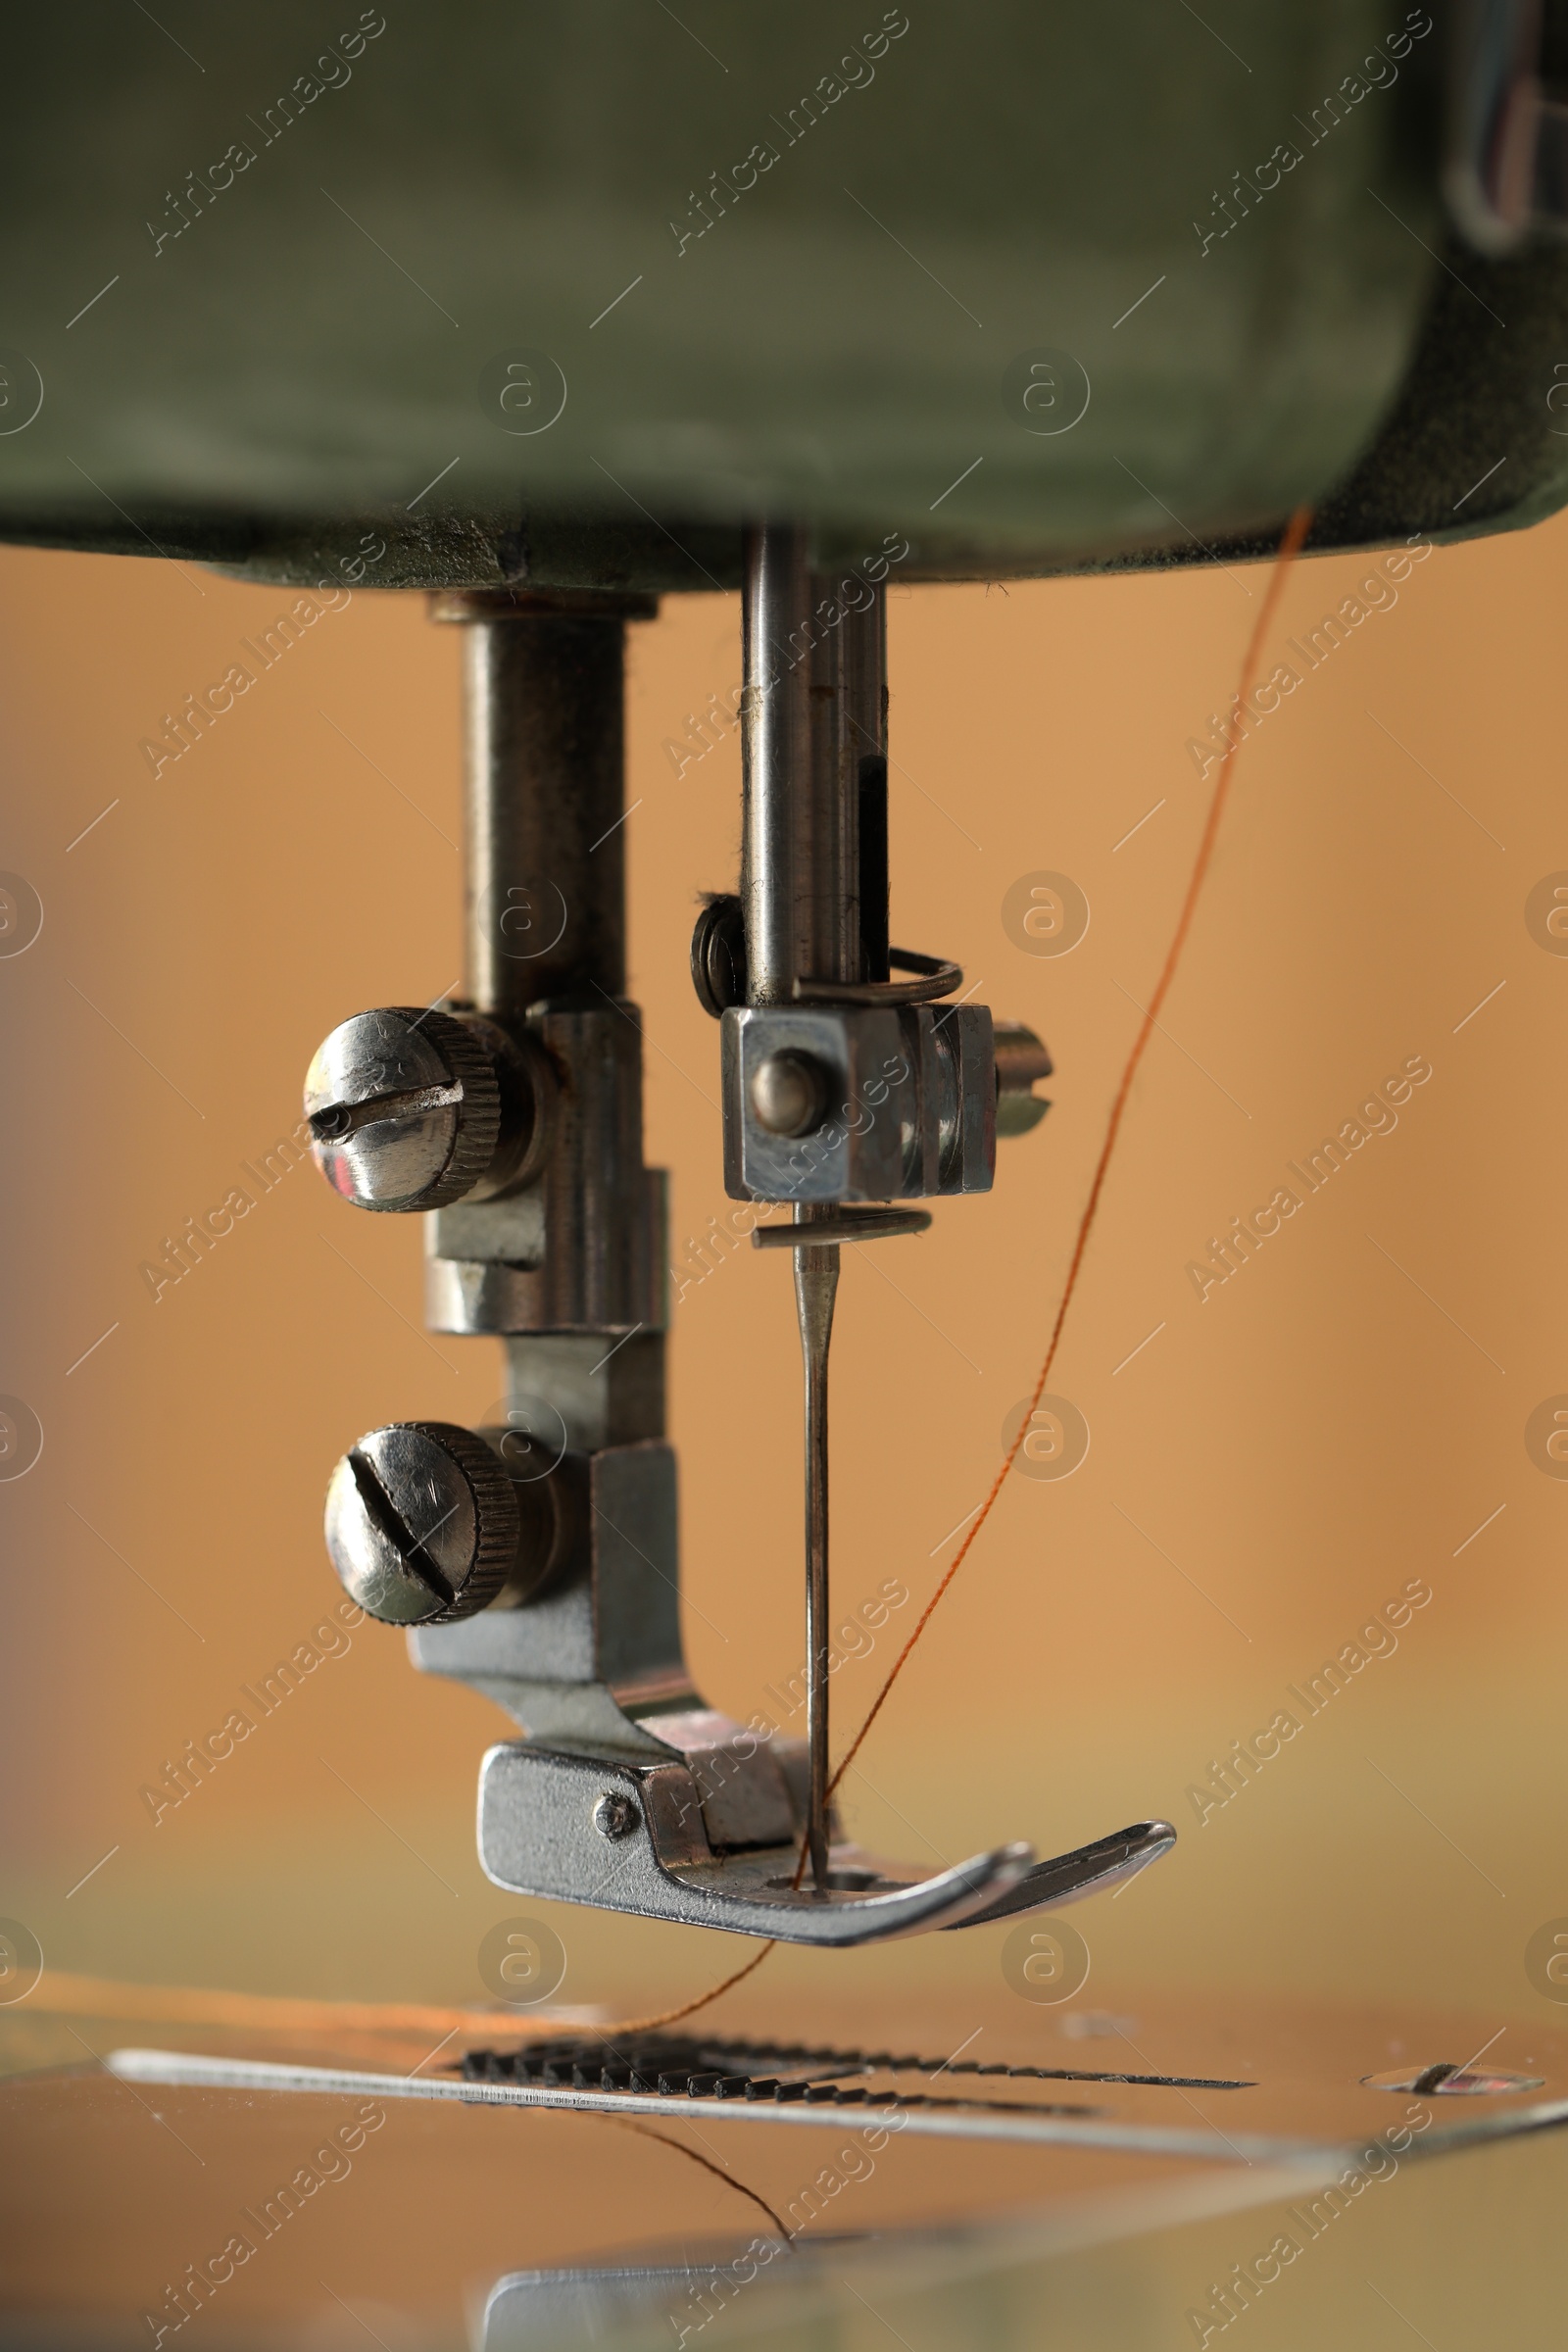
x: 1073, y: 327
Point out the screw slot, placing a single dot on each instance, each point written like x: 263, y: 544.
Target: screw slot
x: 422, y: 1523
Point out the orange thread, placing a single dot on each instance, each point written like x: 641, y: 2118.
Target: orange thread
x: 1290, y: 547
x: 670, y: 2017
x: 100, y: 1998
x: 646, y: 2132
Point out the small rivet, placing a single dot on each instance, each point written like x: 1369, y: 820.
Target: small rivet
x: 615, y: 1816
x: 789, y: 1094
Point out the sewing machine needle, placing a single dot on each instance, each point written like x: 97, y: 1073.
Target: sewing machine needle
x: 816, y: 1282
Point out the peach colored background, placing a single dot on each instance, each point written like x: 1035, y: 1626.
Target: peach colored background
x: 1299, y: 1445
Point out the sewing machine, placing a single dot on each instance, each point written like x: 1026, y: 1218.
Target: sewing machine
x: 900, y: 302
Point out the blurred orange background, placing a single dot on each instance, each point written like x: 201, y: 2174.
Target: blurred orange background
x: 1263, y: 1475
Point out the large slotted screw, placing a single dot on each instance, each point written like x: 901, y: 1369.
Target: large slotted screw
x: 411, y: 1111
x: 422, y: 1523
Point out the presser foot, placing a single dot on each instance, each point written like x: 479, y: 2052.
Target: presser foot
x: 626, y: 1835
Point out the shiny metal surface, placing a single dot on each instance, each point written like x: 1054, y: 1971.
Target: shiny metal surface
x: 931, y: 977
x: 912, y: 1095
x: 543, y: 755
x: 776, y: 752
x: 421, y: 1523
x: 591, y: 1667
x: 1315, y: 2120
x: 576, y: 1246
x: 857, y: 1153
x: 789, y: 1094
x: 574, y: 1389
x: 839, y: 1085
x: 542, y: 1568
x: 582, y: 1248
x: 1449, y: 2079
x: 414, y: 1109
x: 1064, y: 1876
x: 1022, y: 1060
x: 950, y: 1146
x: 816, y: 1282
x: 1081, y: 2200
x: 832, y: 1224
x: 405, y: 1109
x: 813, y: 745
x: 600, y: 1646
x: 537, y: 1836
x: 718, y: 954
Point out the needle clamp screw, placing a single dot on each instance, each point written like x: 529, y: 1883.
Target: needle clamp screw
x: 413, y: 1110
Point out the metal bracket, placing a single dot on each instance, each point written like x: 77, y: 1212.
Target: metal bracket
x: 630, y: 1794
x: 909, y: 1097
x: 539, y: 1834
x: 514, y: 1118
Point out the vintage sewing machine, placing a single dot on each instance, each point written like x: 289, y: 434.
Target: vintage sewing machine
x: 832, y: 302
x: 615, y: 451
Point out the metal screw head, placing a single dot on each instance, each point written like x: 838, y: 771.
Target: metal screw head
x: 404, y: 1108
x: 1021, y: 1059
x: 616, y: 1815
x: 1448, y: 2080
x: 421, y: 1523
x: 789, y: 1094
